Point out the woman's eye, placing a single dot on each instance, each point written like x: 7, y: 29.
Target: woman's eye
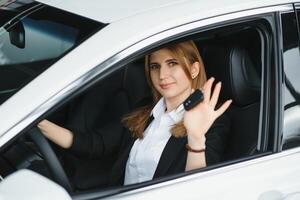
x: 154, y: 67
x: 172, y: 63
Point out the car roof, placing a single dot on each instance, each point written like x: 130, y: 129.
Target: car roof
x: 114, y: 10
x: 109, y: 11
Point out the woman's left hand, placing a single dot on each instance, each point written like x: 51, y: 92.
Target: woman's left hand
x: 199, y: 119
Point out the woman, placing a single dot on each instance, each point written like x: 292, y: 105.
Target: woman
x: 160, y: 139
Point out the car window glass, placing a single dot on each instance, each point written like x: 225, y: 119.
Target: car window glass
x: 32, y: 37
x: 291, y: 61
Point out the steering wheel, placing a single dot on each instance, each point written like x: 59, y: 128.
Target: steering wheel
x: 53, y: 164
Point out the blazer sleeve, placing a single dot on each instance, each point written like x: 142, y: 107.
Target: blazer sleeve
x: 216, y: 139
x: 96, y: 143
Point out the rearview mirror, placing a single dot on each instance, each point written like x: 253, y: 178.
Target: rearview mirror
x: 17, y: 35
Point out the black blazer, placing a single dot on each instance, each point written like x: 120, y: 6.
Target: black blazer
x: 116, y: 139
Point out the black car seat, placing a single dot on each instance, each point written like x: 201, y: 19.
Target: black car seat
x: 103, y: 104
x: 241, y: 82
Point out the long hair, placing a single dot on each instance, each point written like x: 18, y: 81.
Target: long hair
x: 186, y: 53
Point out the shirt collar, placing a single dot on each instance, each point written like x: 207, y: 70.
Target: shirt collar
x: 159, y: 109
x: 177, y: 114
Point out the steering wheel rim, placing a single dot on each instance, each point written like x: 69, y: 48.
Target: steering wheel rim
x: 55, y: 168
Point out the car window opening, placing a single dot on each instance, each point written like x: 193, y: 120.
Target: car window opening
x: 227, y: 55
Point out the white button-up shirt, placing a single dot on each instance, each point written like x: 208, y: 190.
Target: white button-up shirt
x: 145, y: 153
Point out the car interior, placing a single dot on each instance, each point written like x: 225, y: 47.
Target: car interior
x: 232, y: 55
x: 291, y: 130
x: 240, y: 74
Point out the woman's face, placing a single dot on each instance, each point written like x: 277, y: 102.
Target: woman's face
x: 168, y: 76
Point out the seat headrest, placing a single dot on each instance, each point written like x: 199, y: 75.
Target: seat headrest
x: 233, y: 66
x: 135, y: 84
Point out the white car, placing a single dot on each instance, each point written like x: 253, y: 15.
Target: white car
x: 80, y: 63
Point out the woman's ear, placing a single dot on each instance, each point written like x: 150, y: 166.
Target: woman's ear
x: 195, y: 68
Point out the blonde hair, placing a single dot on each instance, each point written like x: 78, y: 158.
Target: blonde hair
x: 186, y: 53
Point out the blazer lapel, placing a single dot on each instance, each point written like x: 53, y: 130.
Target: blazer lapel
x: 150, y: 119
x: 169, y: 155
x: 118, y: 171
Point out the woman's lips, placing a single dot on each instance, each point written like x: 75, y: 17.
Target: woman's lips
x: 166, y: 86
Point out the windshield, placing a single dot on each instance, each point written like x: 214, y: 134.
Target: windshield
x: 32, y: 37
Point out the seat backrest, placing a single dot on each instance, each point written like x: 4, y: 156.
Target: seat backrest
x: 241, y: 82
x: 103, y: 104
x: 113, y: 97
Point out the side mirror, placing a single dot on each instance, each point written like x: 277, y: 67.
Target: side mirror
x: 25, y: 184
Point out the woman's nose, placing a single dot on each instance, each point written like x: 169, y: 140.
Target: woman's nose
x: 164, y: 72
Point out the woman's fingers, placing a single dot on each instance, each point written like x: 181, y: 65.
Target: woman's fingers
x: 207, y: 89
x: 223, y: 108
x: 215, y: 95
x: 212, y: 99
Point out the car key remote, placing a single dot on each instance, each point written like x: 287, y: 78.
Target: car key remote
x: 194, y: 99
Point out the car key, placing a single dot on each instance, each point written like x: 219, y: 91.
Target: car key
x: 194, y: 99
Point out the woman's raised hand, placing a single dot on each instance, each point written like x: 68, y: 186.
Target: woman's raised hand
x: 199, y: 119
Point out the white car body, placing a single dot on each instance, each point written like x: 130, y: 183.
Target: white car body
x: 133, y: 25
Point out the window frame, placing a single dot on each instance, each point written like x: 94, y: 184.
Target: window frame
x: 176, y: 178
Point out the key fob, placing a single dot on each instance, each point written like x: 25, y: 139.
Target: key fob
x: 194, y: 99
